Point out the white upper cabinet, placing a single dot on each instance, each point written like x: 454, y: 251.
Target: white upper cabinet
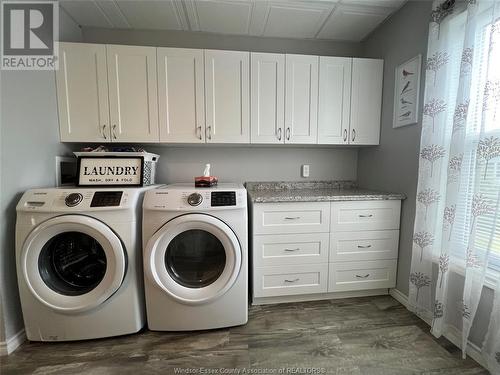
x: 133, y: 99
x: 181, y: 95
x: 82, y: 93
x: 301, y: 99
x: 227, y: 96
x: 115, y: 93
x: 267, y: 97
x: 366, y: 101
x: 334, y: 100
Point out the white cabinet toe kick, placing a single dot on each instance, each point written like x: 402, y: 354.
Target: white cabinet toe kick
x: 320, y: 250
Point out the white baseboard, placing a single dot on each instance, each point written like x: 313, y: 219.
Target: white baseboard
x: 451, y: 333
x: 318, y: 296
x: 12, y: 343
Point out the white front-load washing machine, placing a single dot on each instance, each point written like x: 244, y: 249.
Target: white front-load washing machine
x: 195, y: 257
x: 79, y: 262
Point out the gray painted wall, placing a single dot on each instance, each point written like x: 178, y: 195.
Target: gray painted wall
x: 240, y: 164
x: 29, y: 142
x: 393, y: 165
x: 187, y: 39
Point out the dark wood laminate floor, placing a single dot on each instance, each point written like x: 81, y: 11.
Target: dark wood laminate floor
x: 370, y: 335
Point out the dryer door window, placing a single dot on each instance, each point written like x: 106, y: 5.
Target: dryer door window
x: 72, y: 263
x: 195, y: 258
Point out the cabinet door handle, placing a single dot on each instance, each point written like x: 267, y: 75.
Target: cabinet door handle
x: 279, y: 134
x: 104, y: 131
x: 209, y: 132
x: 198, y: 131
x: 296, y: 249
x: 114, y: 134
x: 288, y: 133
x: 370, y: 215
x: 292, y: 217
x: 364, y: 246
x: 353, y: 134
x: 362, y: 276
x: 291, y: 281
x: 345, y: 135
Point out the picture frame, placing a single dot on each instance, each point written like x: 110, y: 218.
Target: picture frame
x: 110, y: 171
x: 407, y: 92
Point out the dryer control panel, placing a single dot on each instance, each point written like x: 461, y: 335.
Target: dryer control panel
x: 180, y: 197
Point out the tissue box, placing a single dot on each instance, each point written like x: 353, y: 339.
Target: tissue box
x: 203, y: 181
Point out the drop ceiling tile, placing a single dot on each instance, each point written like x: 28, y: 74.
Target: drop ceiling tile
x: 296, y: 19
x: 218, y: 16
x: 86, y: 13
x: 353, y: 23
x: 113, y: 13
x: 160, y: 15
x: 382, y: 3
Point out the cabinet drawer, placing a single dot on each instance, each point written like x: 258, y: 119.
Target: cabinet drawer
x: 290, y: 280
x: 282, y: 218
x: 366, y: 245
x: 365, y: 215
x: 374, y: 274
x: 284, y: 249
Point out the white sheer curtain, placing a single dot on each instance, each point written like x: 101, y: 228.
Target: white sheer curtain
x: 456, y: 242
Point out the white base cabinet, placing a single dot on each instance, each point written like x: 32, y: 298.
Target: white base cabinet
x: 308, y: 249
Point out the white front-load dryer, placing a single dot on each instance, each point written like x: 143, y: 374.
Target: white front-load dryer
x: 79, y: 262
x: 195, y: 257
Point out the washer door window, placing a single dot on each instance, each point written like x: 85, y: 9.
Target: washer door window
x: 73, y: 263
x: 194, y: 258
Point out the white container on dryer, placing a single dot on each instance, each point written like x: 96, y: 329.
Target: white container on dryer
x: 79, y: 262
x: 195, y: 257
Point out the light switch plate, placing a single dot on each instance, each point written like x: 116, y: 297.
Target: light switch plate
x: 305, y: 170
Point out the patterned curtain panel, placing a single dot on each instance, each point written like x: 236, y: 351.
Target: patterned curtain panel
x: 456, y: 242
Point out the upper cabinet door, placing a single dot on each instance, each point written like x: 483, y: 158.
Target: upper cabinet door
x: 267, y: 97
x: 82, y: 93
x: 334, y: 100
x: 133, y: 98
x: 181, y: 95
x: 227, y: 95
x: 301, y: 99
x: 366, y: 101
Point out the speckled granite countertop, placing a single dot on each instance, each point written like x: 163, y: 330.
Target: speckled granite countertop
x: 314, y: 191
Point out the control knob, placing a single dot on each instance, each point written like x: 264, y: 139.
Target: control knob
x: 195, y: 199
x: 73, y: 199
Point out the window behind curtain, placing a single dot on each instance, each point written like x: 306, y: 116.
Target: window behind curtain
x: 477, y: 175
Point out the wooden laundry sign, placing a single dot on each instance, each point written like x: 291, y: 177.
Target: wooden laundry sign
x: 110, y: 171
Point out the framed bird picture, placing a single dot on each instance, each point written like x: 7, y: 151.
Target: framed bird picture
x: 406, y: 92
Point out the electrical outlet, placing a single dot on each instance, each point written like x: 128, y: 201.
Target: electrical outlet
x: 305, y: 170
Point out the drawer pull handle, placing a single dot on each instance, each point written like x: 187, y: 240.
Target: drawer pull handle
x: 297, y: 249
x: 363, y: 277
x: 292, y: 217
x: 291, y: 281
x: 364, y: 246
x: 370, y: 215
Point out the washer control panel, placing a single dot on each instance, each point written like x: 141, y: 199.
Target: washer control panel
x: 106, y: 199
x: 73, y: 199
